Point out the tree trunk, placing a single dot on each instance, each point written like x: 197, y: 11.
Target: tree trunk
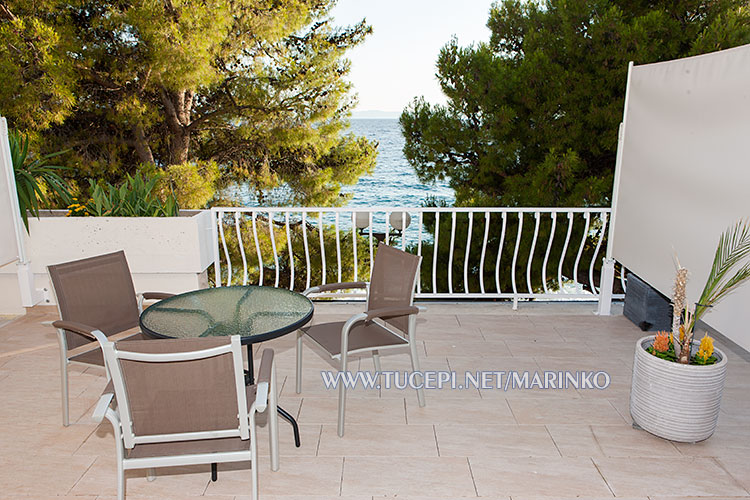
x: 141, y: 145
x: 178, y: 106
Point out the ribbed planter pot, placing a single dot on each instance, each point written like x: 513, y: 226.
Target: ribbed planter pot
x: 675, y: 401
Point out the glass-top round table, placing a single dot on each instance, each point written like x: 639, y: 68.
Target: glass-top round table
x: 255, y: 313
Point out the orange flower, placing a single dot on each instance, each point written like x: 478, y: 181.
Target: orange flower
x: 661, y: 342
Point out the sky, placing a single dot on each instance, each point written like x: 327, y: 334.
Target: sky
x: 397, y: 62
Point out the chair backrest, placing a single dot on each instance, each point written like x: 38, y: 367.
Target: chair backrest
x: 394, y: 276
x: 97, y: 291
x: 179, y: 389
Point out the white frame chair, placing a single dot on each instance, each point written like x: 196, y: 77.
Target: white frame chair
x: 126, y: 439
x: 382, y: 315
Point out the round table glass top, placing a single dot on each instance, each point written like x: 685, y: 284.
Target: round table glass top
x: 256, y: 313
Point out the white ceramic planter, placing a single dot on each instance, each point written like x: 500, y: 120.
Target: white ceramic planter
x: 675, y: 401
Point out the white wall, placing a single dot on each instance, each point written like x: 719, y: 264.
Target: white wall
x: 165, y: 254
x: 685, y: 174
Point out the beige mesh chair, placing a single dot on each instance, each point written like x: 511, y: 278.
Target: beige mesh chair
x: 93, y: 294
x: 185, y: 402
x: 388, y: 322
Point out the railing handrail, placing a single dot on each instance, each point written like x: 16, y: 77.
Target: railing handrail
x: 384, y: 208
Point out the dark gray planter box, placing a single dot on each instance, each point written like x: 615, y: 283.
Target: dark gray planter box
x: 646, y: 307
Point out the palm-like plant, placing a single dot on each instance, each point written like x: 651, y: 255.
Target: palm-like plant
x: 733, y: 248
x: 35, y: 179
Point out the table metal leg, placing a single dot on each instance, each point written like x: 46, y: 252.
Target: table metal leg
x: 250, y: 380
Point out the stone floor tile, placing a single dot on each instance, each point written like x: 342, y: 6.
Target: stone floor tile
x: 563, y: 411
x: 379, y: 440
x: 673, y: 476
x: 447, y: 477
x: 451, y: 411
x: 556, y: 477
x: 495, y: 441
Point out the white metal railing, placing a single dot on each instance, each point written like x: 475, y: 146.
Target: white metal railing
x: 469, y: 252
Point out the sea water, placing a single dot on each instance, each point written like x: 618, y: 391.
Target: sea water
x: 393, y: 182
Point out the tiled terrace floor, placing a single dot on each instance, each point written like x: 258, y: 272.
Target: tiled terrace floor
x: 466, y: 443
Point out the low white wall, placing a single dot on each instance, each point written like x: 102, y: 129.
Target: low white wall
x: 165, y: 254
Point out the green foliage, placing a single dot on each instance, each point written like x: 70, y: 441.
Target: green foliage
x: 37, y: 76
x: 732, y: 250
x: 134, y: 197
x: 532, y: 115
x: 258, y: 87
x: 192, y: 183
x: 37, y: 182
x: 697, y: 360
x: 669, y: 355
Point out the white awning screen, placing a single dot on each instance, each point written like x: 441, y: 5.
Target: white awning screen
x: 10, y: 250
x: 684, y: 174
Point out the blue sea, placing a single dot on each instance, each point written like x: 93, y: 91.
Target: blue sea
x: 393, y: 182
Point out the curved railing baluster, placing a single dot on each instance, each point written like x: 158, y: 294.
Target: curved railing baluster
x: 564, y: 251
x: 549, y: 248
x: 435, y: 253
x: 603, y: 218
x: 291, y: 252
x: 273, y: 247
x: 419, y: 250
x: 500, y: 252
x: 531, y: 253
x: 257, y: 249
x: 484, y: 250
x: 450, y: 252
x: 369, y: 220
x: 585, y: 236
x: 515, y: 258
x: 354, y: 245
x: 226, y: 252
x: 322, y: 247
x: 242, y: 247
x: 338, y: 247
x: 307, y: 250
x: 466, y: 257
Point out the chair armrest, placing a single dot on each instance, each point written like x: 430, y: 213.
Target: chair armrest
x: 389, y: 312
x: 335, y: 286
x: 156, y: 295
x: 151, y: 296
x: 265, y: 380
x: 104, y: 401
x: 79, y: 328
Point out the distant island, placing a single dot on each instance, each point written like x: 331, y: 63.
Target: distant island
x: 372, y: 113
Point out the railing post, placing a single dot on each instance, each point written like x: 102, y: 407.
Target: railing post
x: 604, y: 307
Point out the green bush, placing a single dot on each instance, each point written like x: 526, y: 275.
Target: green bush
x: 136, y: 196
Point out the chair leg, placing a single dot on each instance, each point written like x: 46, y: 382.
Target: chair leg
x: 273, y: 422
x: 415, y: 368
x: 64, y: 390
x: 376, y: 360
x: 298, y: 381
x: 64, y: 376
x: 342, y: 398
x: 120, y: 467
x: 254, y: 457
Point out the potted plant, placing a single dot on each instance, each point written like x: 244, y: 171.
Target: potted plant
x: 677, y: 380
